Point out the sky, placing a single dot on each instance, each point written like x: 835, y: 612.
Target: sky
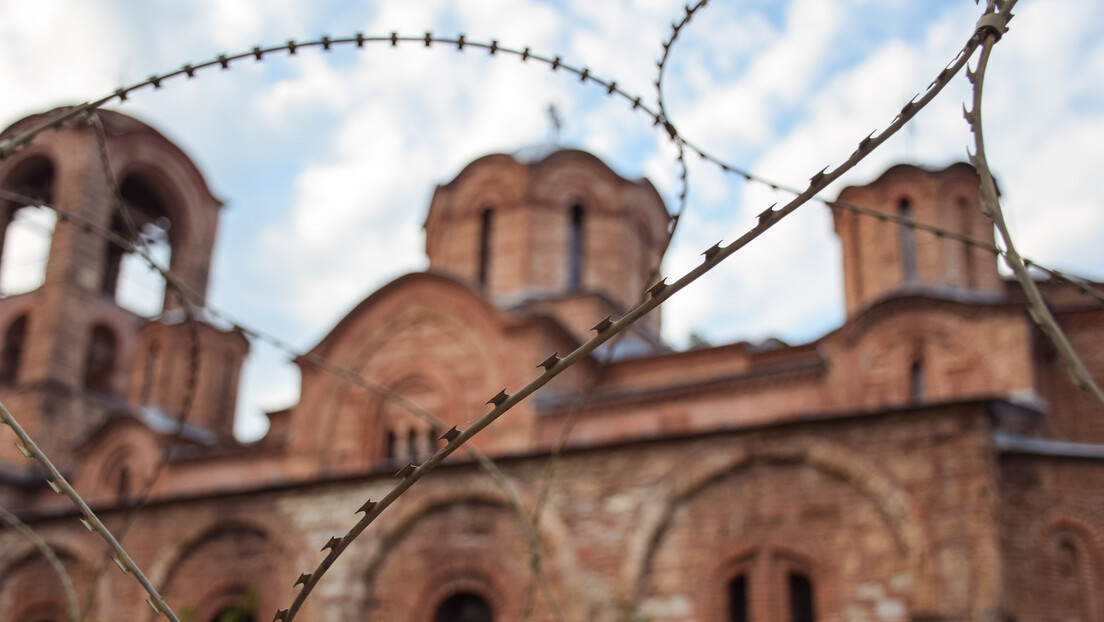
x: 327, y: 160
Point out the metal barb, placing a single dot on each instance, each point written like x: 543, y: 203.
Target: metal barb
x: 499, y: 398
x: 550, y: 362
x: 405, y: 472
x: 712, y: 251
x: 657, y: 289
x: 603, y: 325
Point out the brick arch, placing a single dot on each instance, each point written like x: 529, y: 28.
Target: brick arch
x: 278, y: 540
x: 378, y: 326
x: 36, y: 594
x: 360, y: 411
x: 124, y: 442
x: 1064, y: 522
x: 558, y: 560
x: 894, y: 504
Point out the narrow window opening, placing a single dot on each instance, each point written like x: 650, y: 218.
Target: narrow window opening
x: 225, y: 400
x: 916, y: 380
x: 99, y: 362
x: 1067, y: 559
x: 12, y: 354
x: 738, y: 600
x: 575, y: 249
x: 801, y: 599
x: 128, y: 277
x: 486, y: 222
x: 433, y: 441
x: 153, y: 355
x: 908, y: 241
x: 122, y: 485
x: 26, y: 251
x: 25, y: 230
x: 113, y: 259
x: 464, y: 607
x: 412, y: 449
x: 389, y: 446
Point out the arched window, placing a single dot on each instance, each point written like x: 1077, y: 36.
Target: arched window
x: 149, y: 372
x: 801, y: 598
x: 412, y: 450
x: 575, y: 249
x: 26, y: 232
x: 738, y: 599
x: 12, y: 354
x: 99, y: 362
x: 113, y: 258
x: 1074, y: 592
x: 389, y: 449
x: 916, y: 379
x: 123, y: 484
x: 464, y: 607
x: 485, y: 224
x: 766, y: 584
x: 908, y: 241
x: 128, y: 277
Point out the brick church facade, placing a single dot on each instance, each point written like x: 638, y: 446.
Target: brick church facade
x: 927, y: 460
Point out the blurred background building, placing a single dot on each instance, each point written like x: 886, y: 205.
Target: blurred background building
x: 927, y: 460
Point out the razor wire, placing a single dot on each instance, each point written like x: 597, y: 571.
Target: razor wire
x: 992, y: 26
x: 607, y: 328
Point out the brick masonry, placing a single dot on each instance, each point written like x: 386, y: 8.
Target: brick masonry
x: 928, y: 460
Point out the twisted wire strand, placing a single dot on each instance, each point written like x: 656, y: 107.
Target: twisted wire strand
x: 61, y: 486
x: 47, y: 552
x: 608, y: 328
x: 990, y: 28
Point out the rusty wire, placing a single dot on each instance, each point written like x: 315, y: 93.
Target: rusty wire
x: 990, y: 28
x: 51, y: 557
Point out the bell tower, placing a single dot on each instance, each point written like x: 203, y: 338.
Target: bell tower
x: 881, y: 257
x: 67, y: 363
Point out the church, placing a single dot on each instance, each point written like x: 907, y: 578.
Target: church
x: 928, y: 460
